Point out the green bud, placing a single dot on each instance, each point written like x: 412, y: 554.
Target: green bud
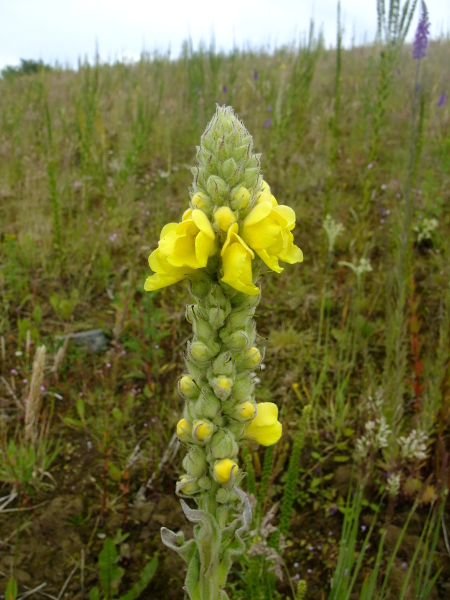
x: 202, y: 201
x: 242, y: 387
x: 202, y: 353
x: 217, y: 317
x: 204, y: 482
x: 188, y: 388
x: 223, y: 365
x: 249, y: 359
x: 237, y: 429
x: 240, y: 198
x: 207, y: 405
x: 228, y: 168
x: 187, y: 485
x: 252, y: 177
x: 223, y: 444
x: 195, y: 462
x: 222, y: 495
x: 238, y: 320
x: 217, y: 189
x: 237, y: 340
x: 200, y: 284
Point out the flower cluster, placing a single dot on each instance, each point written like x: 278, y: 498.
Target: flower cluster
x: 422, y: 33
x: 233, y: 228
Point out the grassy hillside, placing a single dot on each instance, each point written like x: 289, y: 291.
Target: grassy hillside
x: 93, y: 163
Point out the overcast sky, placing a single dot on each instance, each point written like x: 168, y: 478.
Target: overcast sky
x: 63, y: 30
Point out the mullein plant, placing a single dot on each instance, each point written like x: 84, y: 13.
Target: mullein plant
x: 233, y: 229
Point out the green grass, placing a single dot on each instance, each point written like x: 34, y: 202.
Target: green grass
x: 95, y: 161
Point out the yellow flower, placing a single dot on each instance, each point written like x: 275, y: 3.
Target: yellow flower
x: 237, y: 263
x: 265, y: 427
x: 183, y: 247
x: 267, y: 229
x: 224, y: 469
x: 264, y: 195
x: 164, y: 273
x: 189, y: 243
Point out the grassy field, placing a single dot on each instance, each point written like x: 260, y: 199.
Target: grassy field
x: 94, y: 162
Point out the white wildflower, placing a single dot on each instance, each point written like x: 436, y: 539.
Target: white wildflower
x: 415, y: 445
x: 393, y: 485
x: 333, y: 230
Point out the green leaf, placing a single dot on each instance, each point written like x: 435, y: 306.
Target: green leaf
x: 341, y: 459
x: 95, y: 594
x: 114, y: 472
x: 110, y: 574
x: 11, y: 589
x: 146, y: 576
x: 315, y: 455
x: 348, y: 432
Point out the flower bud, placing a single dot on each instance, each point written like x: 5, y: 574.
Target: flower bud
x: 204, y: 482
x: 240, y: 198
x: 202, y: 430
x: 207, y: 404
x: 249, y: 359
x: 201, y: 352
x: 223, y: 365
x: 217, y: 317
x: 184, y: 431
x: 225, y: 470
x: 224, y: 217
x: 222, y: 386
x: 222, y: 495
x: 195, y: 462
x: 217, y: 188
x: 263, y: 194
x: 188, y: 388
x: 251, y: 177
x: 187, y: 485
x: 201, y: 201
x: 223, y: 444
x: 242, y: 387
x: 238, y: 340
x: 200, y: 284
x: 245, y: 411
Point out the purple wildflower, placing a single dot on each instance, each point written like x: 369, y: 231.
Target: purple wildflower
x: 225, y: 89
x: 442, y: 99
x: 268, y: 123
x: 269, y: 108
x: 255, y: 74
x: 422, y: 33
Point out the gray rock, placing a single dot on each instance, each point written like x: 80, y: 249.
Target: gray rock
x: 94, y: 339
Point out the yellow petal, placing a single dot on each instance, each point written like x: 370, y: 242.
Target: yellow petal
x: 204, y: 248
x: 287, y: 213
x: 237, y: 267
x: 266, y: 436
x: 258, y: 213
x: 270, y: 260
x: 202, y: 222
x: 187, y: 214
x: 261, y: 235
x: 267, y: 414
